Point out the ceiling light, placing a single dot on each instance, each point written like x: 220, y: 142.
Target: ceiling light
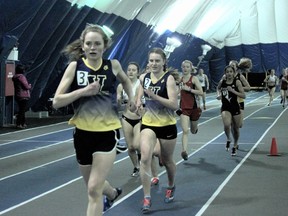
x: 171, y: 44
x: 107, y: 31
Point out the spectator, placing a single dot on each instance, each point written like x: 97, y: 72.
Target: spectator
x: 22, y: 95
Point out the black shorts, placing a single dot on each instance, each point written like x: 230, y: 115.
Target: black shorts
x: 241, y: 104
x: 166, y: 132
x: 271, y: 87
x: 132, y: 122
x: 86, y: 143
x: 233, y: 109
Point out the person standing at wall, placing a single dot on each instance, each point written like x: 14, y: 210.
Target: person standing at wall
x: 158, y: 122
x: 230, y: 89
x: 189, y: 111
x: 90, y: 83
x: 203, y: 79
x: 131, y: 121
x: 22, y: 95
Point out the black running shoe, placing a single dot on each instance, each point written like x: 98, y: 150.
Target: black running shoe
x: 179, y: 112
x: 184, y: 155
x: 135, y: 172
x: 228, y: 145
x: 233, y: 151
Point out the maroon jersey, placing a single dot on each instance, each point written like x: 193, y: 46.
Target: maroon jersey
x: 187, y: 100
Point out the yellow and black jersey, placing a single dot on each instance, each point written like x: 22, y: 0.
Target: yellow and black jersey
x: 98, y: 112
x: 156, y: 114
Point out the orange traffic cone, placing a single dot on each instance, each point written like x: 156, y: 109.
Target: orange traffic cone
x: 273, y: 149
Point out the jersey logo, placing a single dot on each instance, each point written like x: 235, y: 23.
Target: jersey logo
x: 155, y: 89
x: 105, y: 67
x: 225, y: 93
x: 84, y: 78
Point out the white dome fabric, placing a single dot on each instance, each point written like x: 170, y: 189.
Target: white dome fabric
x: 219, y: 22
x: 255, y: 29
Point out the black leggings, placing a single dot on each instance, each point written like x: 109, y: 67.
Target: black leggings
x: 22, y: 106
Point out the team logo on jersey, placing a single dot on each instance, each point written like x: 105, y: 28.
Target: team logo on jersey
x: 225, y: 93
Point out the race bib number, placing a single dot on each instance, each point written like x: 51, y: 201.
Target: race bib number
x: 82, y: 78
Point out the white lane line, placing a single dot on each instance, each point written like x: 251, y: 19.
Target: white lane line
x: 34, y: 128
x: 35, y: 149
x: 49, y: 191
x: 43, y: 165
x: 118, y: 161
x: 36, y: 167
x: 219, y: 189
x: 39, y: 196
x: 197, y: 150
x: 32, y: 137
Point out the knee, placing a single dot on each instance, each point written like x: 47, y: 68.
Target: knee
x: 167, y: 162
x: 145, y: 158
x: 236, y: 129
x: 185, y: 131
x: 94, y: 192
x: 226, y: 127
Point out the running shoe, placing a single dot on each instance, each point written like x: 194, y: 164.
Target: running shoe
x: 233, y: 151
x: 135, y: 172
x: 146, y: 205
x: 108, y: 203
x: 228, y: 145
x: 169, y: 197
x: 179, y: 112
x: 154, y: 181
x: 20, y: 127
x: 184, y: 155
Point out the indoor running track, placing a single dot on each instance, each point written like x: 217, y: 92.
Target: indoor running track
x: 39, y: 174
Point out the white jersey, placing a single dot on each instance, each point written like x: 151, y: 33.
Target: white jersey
x: 134, y: 89
x: 202, y: 80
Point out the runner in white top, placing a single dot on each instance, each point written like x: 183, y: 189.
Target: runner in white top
x: 131, y: 122
x: 271, y: 80
x: 203, y: 79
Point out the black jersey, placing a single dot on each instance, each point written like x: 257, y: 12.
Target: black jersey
x: 229, y: 99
